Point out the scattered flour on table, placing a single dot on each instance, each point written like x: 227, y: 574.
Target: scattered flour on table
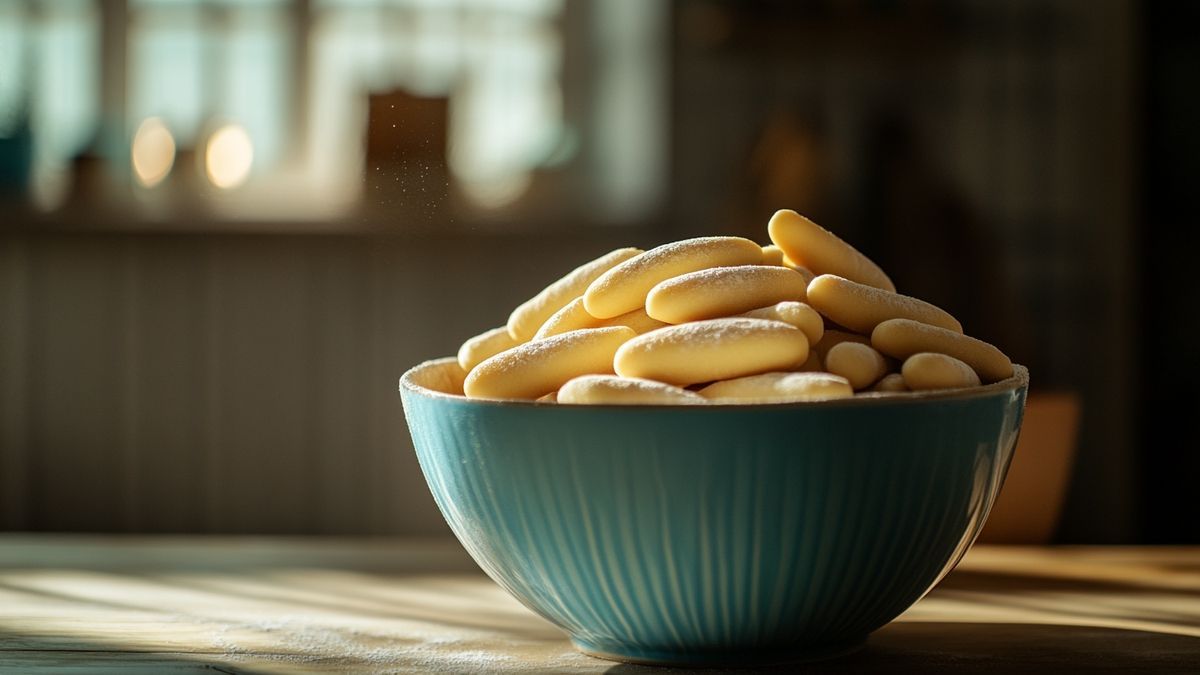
x: 299, y: 639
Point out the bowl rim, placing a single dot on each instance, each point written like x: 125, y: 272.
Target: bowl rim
x: 1017, y: 381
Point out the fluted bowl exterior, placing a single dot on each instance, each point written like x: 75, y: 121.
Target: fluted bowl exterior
x: 710, y: 534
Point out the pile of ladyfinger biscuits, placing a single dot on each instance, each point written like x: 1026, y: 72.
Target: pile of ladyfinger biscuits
x: 724, y: 320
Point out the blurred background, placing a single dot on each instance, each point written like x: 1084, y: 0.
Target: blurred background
x: 228, y: 226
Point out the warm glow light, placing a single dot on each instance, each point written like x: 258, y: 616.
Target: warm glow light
x: 228, y: 157
x: 498, y: 192
x: 153, y: 152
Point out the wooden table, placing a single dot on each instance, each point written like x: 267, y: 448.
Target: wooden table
x: 271, y: 605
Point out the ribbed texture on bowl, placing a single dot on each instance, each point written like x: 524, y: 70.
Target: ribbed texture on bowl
x: 692, y: 534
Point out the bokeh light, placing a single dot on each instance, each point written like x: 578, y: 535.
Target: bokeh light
x: 500, y: 191
x: 153, y: 152
x: 228, y: 156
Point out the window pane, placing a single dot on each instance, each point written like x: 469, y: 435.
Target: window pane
x: 198, y: 64
x: 65, y: 95
x: 167, y: 71
x: 255, y: 81
x: 13, y: 81
x: 137, y: 4
x: 436, y: 52
x: 507, y: 116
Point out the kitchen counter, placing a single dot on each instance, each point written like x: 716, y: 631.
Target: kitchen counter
x: 88, y: 604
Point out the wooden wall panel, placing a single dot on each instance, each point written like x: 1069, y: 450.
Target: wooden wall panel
x: 337, y: 401
x: 224, y: 383
x: 260, y: 445
x: 77, y: 373
x: 169, y: 374
x: 14, y: 384
x: 399, y: 324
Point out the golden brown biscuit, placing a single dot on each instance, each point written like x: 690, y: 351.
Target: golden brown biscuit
x: 531, y: 314
x: 716, y: 349
x: 610, y: 389
x: 860, y: 364
x: 860, y: 308
x: 484, y: 346
x: 834, y: 337
x: 778, y: 388
x: 928, y: 370
x: 798, y: 314
x: 772, y: 255
x: 808, y: 244
x: 534, y: 369
x: 722, y: 291
x: 891, y: 383
x: 901, y: 338
x: 623, y: 288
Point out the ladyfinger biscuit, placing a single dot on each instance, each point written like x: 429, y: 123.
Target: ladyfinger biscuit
x: 571, y: 317
x: 716, y: 349
x: 772, y: 255
x: 484, y: 346
x: 638, y: 320
x: 834, y: 337
x: 860, y: 364
x: 722, y: 291
x: 533, y: 369
x: 928, y: 370
x: 860, y: 308
x: 778, y: 388
x: 574, y: 317
x: 624, y: 287
x: 624, y: 390
x: 798, y: 314
x: 891, y: 383
x: 812, y: 364
x: 530, y: 315
x: 901, y: 338
x: 806, y: 243
x: 801, y: 269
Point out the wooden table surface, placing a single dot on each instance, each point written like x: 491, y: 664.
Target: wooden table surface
x: 273, y: 605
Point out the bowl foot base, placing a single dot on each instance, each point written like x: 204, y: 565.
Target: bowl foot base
x: 614, y: 651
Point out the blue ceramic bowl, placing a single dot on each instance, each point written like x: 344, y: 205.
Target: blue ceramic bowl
x: 709, y: 535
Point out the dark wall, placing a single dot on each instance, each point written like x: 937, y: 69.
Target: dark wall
x: 1169, y: 324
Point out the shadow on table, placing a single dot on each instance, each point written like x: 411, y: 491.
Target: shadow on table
x: 919, y: 647
x: 1027, y: 581
x: 1141, y: 599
